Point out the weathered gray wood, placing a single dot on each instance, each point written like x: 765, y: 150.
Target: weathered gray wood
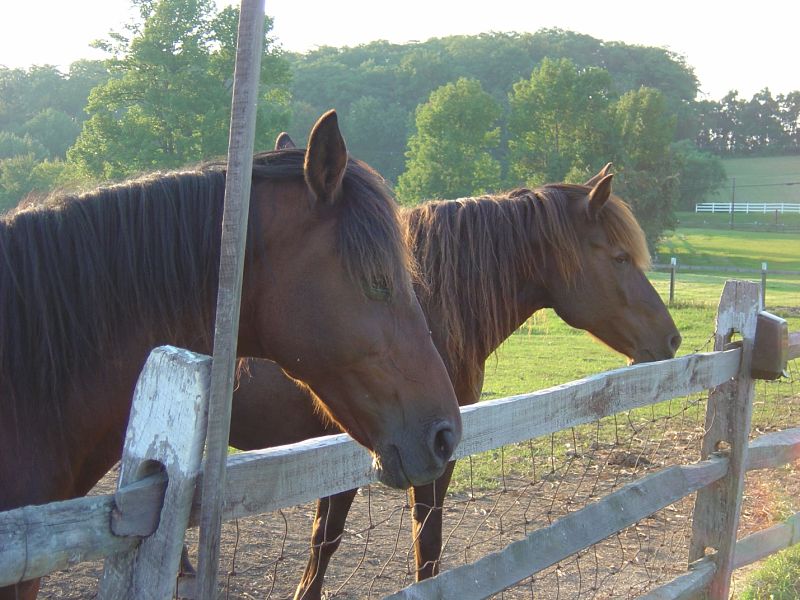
x: 517, y: 418
x: 794, y: 345
x: 589, y: 525
x: 247, y: 75
x: 37, y: 540
x: 265, y: 480
x: 773, y: 450
x: 688, y: 585
x: 768, y: 541
x: 166, y: 427
x: 717, y: 507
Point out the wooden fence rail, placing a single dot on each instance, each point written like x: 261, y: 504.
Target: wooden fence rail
x: 262, y: 481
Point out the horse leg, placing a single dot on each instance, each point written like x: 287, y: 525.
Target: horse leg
x: 27, y: 590
x: 427, y: 501
x: 325, y: 537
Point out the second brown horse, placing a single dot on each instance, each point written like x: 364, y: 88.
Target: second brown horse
x: 487, y: 264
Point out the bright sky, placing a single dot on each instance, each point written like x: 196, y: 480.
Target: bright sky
x: 730, y: 45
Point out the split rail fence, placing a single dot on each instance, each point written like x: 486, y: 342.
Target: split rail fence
x: 141, y: 527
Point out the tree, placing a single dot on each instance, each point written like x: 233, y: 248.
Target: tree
x: 54, y: 129
x: 700, y: 174
x: 558, y: 123
x: 12, y: 145
x: 370, y: 129
x: 168, y: 102
x: 24, y: 176
x: 649, y: 172
x: 449, y: 155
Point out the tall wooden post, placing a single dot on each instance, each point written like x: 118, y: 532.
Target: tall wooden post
x: 718, y: 506
x: 250, y: 46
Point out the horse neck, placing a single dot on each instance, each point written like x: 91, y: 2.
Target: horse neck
x: 498, y: 293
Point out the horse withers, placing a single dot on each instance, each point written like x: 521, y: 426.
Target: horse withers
x: 488, y: 264
x: 91, y: 283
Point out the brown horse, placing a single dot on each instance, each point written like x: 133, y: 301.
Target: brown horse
x: 489, y: 263
x: 90, y: 284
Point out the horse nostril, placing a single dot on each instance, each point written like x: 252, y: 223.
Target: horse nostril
x: 444, y: 441
x: 675, y: 342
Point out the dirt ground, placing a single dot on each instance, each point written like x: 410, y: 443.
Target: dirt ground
x: 263, y: 556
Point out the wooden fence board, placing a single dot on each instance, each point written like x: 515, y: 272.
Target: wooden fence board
x: 37, y: 540
x: 525, y: 416
x: 768, y: 541
x: 688, y: 585
x: 547, y: 546
x: 774, y: 449
x: 794, y: 345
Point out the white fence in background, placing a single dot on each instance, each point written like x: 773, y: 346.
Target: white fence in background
x: 747, y: 207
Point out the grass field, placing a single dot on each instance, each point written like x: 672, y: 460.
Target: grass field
x: 742, y: 222
x: 767, y: 179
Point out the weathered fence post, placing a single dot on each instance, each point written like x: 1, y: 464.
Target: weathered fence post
x: 764, y: 284
x: 673, y: 263
x: 166, y: 430
x: 718, y: 506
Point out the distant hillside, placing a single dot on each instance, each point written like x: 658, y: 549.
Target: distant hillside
x: 767, y: 179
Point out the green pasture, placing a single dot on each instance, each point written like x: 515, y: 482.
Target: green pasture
x: 742, y: 222
x: 731, y: 248
x: 761, y: 179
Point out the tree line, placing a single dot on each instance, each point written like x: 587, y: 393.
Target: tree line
x: 448, y: 117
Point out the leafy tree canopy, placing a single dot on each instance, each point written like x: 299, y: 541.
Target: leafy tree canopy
x: 168, y: 102
x: 449, y: 155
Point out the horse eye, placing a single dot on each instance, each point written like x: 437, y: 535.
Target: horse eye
x: 622, y: 258
x: 378, y: 291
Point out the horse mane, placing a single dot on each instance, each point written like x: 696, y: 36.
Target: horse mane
x: 78, y: 270
x: 485, y: 244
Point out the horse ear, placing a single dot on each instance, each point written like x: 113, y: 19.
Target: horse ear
x: 598, y: 196
x: 602, y: 173
x: 284, y: 142
x: 326, y: 157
